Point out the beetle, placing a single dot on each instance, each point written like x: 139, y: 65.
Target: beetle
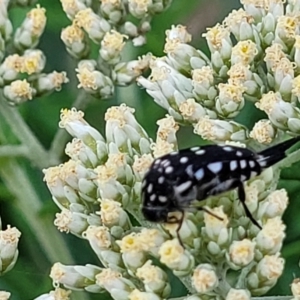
x: 177, y: 179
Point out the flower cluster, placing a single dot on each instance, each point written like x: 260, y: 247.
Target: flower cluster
x: 98, y: 192
x: 21, y: 76
x: 98, y: 189
x: 261, y: 66
x: 114, y: 25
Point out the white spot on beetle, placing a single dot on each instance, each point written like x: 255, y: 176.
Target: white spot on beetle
x: 239, y: 153
x: 263, y: 163
x: 233, y: 165
x: 183, y: 187
x: 157, y: 161
x: 252, y: 164
x: 162, y: 198
x: 161, y: 179
x: 243, y: 164
x: 189, y: 170
x: 200, y: 152
x: 253, y: 174
x: 169, y: 170
x: 152, y: 197
x: 215, y: 167
x: 227, y: 148
x: 165, y: 163
x: 150, y: 188
x: 243, y: 177
x: 199, y: 174
x: 183, y: 159
x: 195, y: 148
x: 174, y: 153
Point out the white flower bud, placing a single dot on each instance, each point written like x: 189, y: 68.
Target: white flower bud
x: 204, y: 86
x: 112, y: 214
x: 219, y: 42
x: 263, y: 132
x: 75, y: 41
x: 244, y: 52
x: 125, y: 73
x: 241, y: 253
x: 5, y: 295
x: 132, y: 250
x: 178, y: 32
x: 123, y: 129
x: 98, y: 237
x: 230, y: 100
x: 141, y: 165
x: 240, y: 24
x: 193, y: 111
x: 204, y: 278
x: 220, y: 130
x: 10, y: 68
x: 78, y: 151
x: 46, y: 83
x: 251, y: 197
x: 58, y: 293
x: 274, y: 205
x: 103, y: 245
x: 113, y: 281
x: 286, y: 29
x: 113, y: 11
x: 71, y: 8
x: 295, y: 287
x: 182, y: 56
x: 19, y: 91
x: 111, y: 46
x: 33, y: 61
x: 139, y: 9
x: 238, y: 294
x: 167, y: 129
x: 154, y: 278
x: 269, y: 239
x: 5, y: 22
x: 9, y: 240
x: 174, y: 256
x: 297, y: 54
x: 93, y: 24
x: 28, y: 34
x: 151, y: 240
x: 73, y: 222
x: 270, y: 267
x: 73, y: 121
x: 138, y: 295
x: 70, y: 276
x: 95, y: 83
x: 166, y: 85
x: 216, y: 227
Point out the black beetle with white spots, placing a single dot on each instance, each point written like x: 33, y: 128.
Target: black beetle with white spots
x: 177, y: 179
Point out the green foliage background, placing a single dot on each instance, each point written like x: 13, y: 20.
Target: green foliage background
x: 29, y: 278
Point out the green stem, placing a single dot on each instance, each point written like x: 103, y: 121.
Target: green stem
x: 62, y: 136
x: 29, y: 204
x: 24, y: 134
x: 13, y: 151
x: 242, y: 278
